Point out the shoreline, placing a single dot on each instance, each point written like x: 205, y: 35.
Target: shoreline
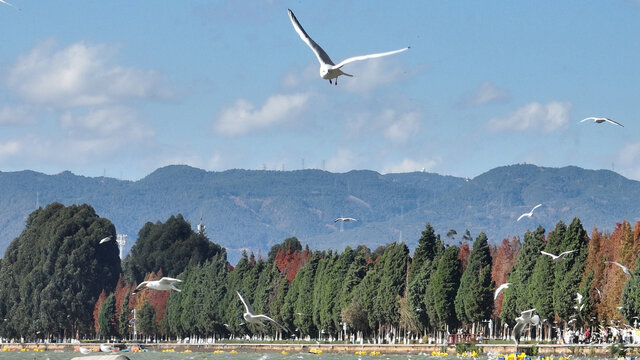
x: 388, y: 349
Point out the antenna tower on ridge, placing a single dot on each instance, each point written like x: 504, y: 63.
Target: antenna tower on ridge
x: 121, y: 239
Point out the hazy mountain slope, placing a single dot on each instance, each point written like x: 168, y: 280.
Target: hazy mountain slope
x: 256, y: 209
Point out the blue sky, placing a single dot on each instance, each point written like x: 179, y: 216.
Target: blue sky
x: 121, y: 88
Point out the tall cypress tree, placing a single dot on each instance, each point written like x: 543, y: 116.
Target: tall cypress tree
x: 474, y: 299
x: 444, y: 284
x: 516, y: 295
x: 569, y: 269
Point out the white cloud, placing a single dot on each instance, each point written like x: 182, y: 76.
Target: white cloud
x: 486, y: 93
x: 409, y: 165
x: 79, y: 75
x: 9, y: 149
x: 402, y: 127
x: 396, y: 126
x: 344, y: 160
x: 370, y: 74
x: 534, y: 116
x: 629, y: 160
x: 18, y: 115
x: 118, y: 122
x: 243, y: 117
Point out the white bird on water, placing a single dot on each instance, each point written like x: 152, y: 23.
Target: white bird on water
x: 525, y: 318
x: 166, y: 283
x: 250, y: 317
x: 107, y: 348
x: 13, y: 6
x: 105, y: 240
x: 556, y: 257
x: 530, y: 213
x: 84, y: 350
x: 499, y: 289
x: 624, y: 268
x: 600, y: 120
x: 329, y: 70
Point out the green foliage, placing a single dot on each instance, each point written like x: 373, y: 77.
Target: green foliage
x: 146, y: 320
x: 55, y: 270
x: 517, y: 296
x: 123, y: 319
x: 107, y: 317
x: 169, y: 246
x: 474, y: 299
x: 444, y: 285
x: 569, y: 270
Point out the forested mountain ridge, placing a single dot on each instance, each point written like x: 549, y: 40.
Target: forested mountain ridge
x: 257, y: 209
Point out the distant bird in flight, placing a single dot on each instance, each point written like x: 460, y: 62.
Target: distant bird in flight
x: 166, y: 283
x: 329, y: 70
x: 599, y: 120
x: 556, y: 257
x: 344, y: 219
x: 250, y: 317
x: 2, y: 1
x: 624, y: 268
x: 530, y: 213
x: 105, y: 240
x: 499, y: 289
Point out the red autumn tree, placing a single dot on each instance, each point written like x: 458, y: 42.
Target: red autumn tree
x: 463, y: 255
x: 96, y: 309
x: 504, y: 258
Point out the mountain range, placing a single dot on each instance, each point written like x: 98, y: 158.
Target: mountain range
x: 254, y: 209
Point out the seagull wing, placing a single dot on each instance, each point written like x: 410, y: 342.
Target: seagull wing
x: 365, y: 57
x: 589, y: 118
x: 265, y: 317
x: 322, y: 56
x: 142, y: 286
x: 526, y: 315
x: 548, y: 254
x: 517, y: 330
x: 105, y: 239
x: 567, y: 252
x: 499, y: 289
x: 613, y: 122
x: 535, y: 207
x: 247, y: 307
x: 13, y: 6
x: 169, y: 281
x: 523, y: 215
x: 338, y: 219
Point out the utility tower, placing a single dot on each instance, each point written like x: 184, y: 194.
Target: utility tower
x: 121, y: 239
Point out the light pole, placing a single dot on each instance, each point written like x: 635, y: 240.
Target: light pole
x: 135, y: 331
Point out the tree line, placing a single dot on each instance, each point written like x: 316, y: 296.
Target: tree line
x: 61, y: 283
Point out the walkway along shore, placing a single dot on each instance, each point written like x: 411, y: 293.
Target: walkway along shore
x: 585, y: 349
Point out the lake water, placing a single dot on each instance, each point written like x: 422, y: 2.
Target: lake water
x: 239, y: 356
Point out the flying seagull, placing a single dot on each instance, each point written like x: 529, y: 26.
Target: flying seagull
x: 329, y: 70
x: 105, y: 240
x: 2, y: 1
x: 525, y: 318
x: 599, y: 120
x: 624, y: 268
x: 250, y: 317
x: 556, y: 257
x: 344, y: 219
x: 580, y: 305
x: 166, y: 283
x: 499, y: 289
x: 530, y: 213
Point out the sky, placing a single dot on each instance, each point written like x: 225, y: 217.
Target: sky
x: 120, y: 88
